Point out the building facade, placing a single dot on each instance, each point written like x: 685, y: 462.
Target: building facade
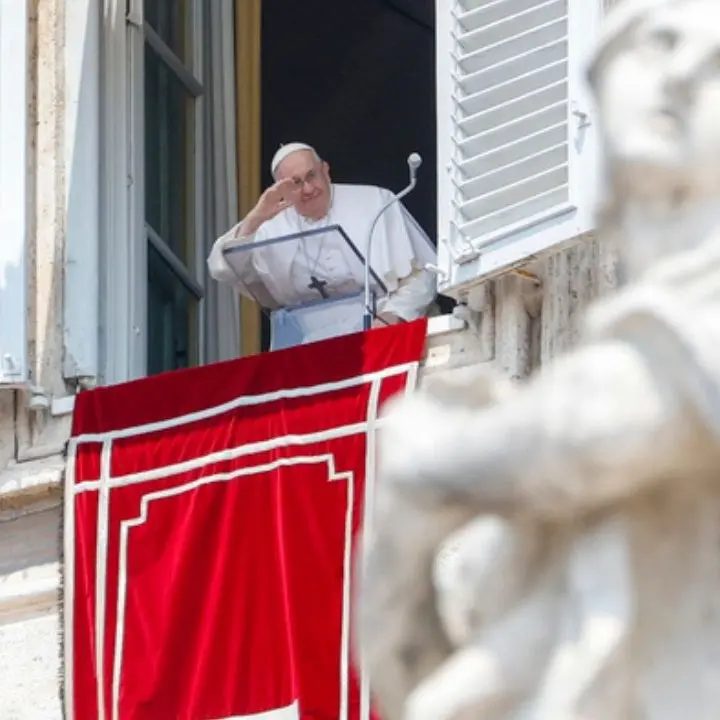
x: 129, y: 139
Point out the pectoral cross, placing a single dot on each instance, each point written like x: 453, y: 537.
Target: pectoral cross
x: 318, y: 285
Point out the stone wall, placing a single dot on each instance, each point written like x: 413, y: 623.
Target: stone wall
x: 528, y: 319
x: 27, y: 436
x: 31, y: 442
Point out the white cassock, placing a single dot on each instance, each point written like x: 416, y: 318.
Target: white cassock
x: 279, y: 276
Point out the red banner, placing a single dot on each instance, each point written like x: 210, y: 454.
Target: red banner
x: 210, y: 520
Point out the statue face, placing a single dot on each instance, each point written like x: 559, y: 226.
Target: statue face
x: 660, y: 90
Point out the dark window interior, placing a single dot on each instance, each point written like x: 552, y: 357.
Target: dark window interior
x: 355, y: 79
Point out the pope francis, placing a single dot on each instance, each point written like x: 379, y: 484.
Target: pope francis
x: 302, y: 198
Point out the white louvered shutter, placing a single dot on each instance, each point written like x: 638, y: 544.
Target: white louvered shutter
x: 517, y: 138
x: 13, y: 183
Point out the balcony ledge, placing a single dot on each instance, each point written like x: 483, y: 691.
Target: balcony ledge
x: 29, y: 593
x: 438, y: 325
x: 444, y: 324
x: 32, y: 483
x: 26, y: 484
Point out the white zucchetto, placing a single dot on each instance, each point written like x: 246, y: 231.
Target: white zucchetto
x: 286, y: 150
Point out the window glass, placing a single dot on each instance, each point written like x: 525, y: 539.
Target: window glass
x: 169, y: 156
x: 172, y: 311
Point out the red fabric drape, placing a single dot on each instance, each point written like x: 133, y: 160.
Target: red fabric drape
x: 211, y: 517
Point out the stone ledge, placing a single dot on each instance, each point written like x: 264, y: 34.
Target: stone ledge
x: 443, y: 324
x: 28, y: 593
x: 25, y: 483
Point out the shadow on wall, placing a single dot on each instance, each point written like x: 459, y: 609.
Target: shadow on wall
x: 356, y: 79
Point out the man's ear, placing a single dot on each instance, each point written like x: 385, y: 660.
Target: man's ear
x: 326, y: 169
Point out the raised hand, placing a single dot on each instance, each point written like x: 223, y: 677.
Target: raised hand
x: 272, y: 202
x: 275, y: 199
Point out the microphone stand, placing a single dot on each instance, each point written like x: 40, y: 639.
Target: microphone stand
x: 414, y: 161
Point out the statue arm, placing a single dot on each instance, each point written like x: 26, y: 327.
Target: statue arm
x: 598, y: 425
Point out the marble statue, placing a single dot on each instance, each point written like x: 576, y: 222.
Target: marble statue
x: 584, y: 504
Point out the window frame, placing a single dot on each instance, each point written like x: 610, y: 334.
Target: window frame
x: 191, y: 77
x: 125, y: 234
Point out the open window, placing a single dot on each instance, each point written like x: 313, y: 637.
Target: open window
x: 517, y: 136
x: 357, y: 81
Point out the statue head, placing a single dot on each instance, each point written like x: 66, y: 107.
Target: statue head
x: 656, y: 77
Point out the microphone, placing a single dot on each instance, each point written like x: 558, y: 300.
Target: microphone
x: 414, y: 161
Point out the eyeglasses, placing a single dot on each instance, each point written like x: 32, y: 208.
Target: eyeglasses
x: 310, y: 177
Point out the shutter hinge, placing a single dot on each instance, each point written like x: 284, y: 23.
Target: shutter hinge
x: 133, y: 16
x: 582, y: 117
x: 10, y: 366
x: 11, y: 372
x: 466, y: 254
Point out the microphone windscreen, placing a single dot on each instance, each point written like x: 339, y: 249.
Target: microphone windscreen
x: 414, y: 160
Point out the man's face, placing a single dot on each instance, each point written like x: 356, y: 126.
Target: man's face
x: 311, y: 178
x: 661, y: 93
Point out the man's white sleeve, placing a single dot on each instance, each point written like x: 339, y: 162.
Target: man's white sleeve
x: 218, y: 265
x: 413, y: 297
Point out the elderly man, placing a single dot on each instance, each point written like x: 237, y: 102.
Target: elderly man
x: 304, y: 198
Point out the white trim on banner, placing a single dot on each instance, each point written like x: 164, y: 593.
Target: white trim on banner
x: 291, y: 712
x: 127, y: 525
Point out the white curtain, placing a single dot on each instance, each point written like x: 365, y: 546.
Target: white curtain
x: 221, y: 198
